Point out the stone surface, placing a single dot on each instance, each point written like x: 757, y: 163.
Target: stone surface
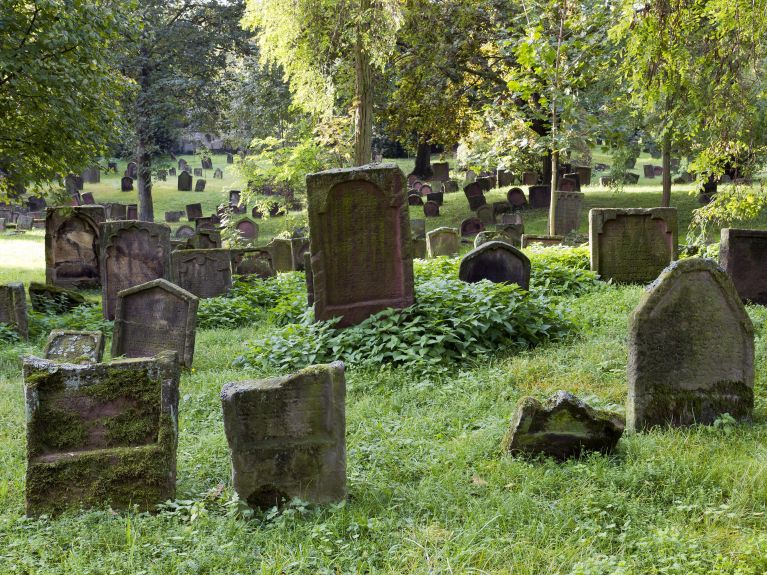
x: 131, y: 253
x: 252, y: 262
x: 204, y: 240
x: 441, y: 171
x: 743, y: 255
x: 184, y: 232
x: 418, y: 229
x: 530, y: 239
x: 126, y: 184
x: 498, y: 262
x: 470, y: 227
x: 486, y: 215
x: 562, y: 428
x: 199, y: 185
x: 512, y: 232
x: 361, y: 246
x: 205, y: 273
x: 193, y: 211
x: 632, y: 245
x: 539, y: 196
x: 298, y: 247
x: 516, y: 197
x: 13, y: 308
x: 568, y: 216
x: 690, y: 350
x: 282, y: 254
x: 419, y: 248
x: 100, y: 435
x: 154, y: 317
x: 24, y: 222
x: 75, y: 346
x: 431, y: 209
x: 443, y: 242
x: 286, y: 437
x: 72, y: 246
x: 247, y: 228
x: 184, y: 182
x: 47, y: 298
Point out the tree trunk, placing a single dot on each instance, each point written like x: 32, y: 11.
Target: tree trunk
x: 423, y: 161
x: 553, y: 182
x: 666, y: 198
x: 546, y: 174
x: 363, y: 96
x: 144, y: 143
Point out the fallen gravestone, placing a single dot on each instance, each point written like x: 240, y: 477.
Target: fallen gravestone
x: 13, y: 308
x: 48, y: 298
x: 75, y: 346
x: 743, y: 255
x: 529, y: 239
x: 498, y: 262
x: 72, y: 246
x: 443, y: 242
x: 205, y: 273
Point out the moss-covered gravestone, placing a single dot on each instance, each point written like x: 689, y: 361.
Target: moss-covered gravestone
x: 13, y: 308
x: 691, y: 350
x: 632, y: 245
x: 443, y: 242
x: 282, y: 254
x: 287, y: 436
x: 205, y: 273
x: 154, y: 317
x: 47, y: 298
x: 528, y: 240
x: 72, y: 246
x: 361, y: 247
x: 131, y: 253
x: 497, y: 262
x: 743, y: 255
x: 204, y: 240
x: 101, y: 434
x: 75, y: 346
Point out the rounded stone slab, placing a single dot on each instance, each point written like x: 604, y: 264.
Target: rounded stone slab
x: 75, y: 346
x: 498, y: 262
x: 690, y: 350
x: 443, y: 242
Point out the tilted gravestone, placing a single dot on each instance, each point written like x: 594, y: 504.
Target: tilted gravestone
x: 75, y: 346
x: 498, y: 262
x: 199, y: 185
x: 131, y: 253
x: 632, y: 245
x: 443, y: 242
x: 540, y: 196
x: 126, y: 184
x: 441, y: 171
x: 470, y: 227
x: 286, y: 437
x: 252, y: 262
x: 101, y: 434
x: 743, y: 255
x: 13, y: 308
x: 512, y: 232
x: 568, y: 213
x: 72, y: 246
x: 193, y: 211
x: 205, y: 273
x: 691, y: 350
x: 247, y: 228
x: 649, y: 171
x: 361, y: 246
x: 184, y: 182
x: 154, y: 317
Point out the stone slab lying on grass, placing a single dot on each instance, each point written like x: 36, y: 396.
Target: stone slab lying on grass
x: 49, y: 298
x: 75, y: 346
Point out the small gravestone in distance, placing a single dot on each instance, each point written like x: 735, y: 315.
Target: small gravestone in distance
x: 441, y: 171
x: 540, y: 196
x: 426, y: 189
x: 470, y: 227
x: 75, y: 346
x: 431, y: 209
x: 505, y: 178
x: 743, y: 255
x: 184, y: 182
x: 126, y: 184
x: 100, y: 434
x: 252, y: 262
x: 184, y: 232
x: 649, y: 171
x: 443, y: 242
x: 450, y: 187
x: 568, y: 213
x: 205, y: 273
x: 230, y: 159
x: 183, y: 165
x: 24, y: 222
x: 132, y: 170
x: 486, y: 215
x: 207, y: 163
x: 247, y: 228
x: 418, y: 229
x: 691, y: 350
x: 286, y: 437
x: 529, y: 178
x: 204, y: 240
x: 172, y: 171
x: 154, y: 317
x: 657, y: 171
x: 218, y: 174
x: 198, y: 172
x: 498, y: 262
x: 13, y: 308
x: 193, y: 211
x: 199, y: 185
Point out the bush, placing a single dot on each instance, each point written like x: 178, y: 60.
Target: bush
x: 82, y: 318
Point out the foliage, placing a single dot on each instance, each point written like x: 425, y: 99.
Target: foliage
x: 732, y: 204
x: 82, y: 318
x: 502, y: 143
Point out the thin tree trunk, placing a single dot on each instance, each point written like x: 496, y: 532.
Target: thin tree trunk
x: 666, y: 198
x: 423, y: 161
x: 363, y: 113
x: 553, y: 181
x: 144, y: 144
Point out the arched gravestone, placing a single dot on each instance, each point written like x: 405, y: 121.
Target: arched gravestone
x: 184, y: 182
x: 415, y: 200
x: 743, y: 255
x: 252, y: 262
x: 691, y: 350
x: 431, y: 209
x: 154, y: 317
x: 205, y: 273
x: 247, y: 228
x: 72, y: 246
x: 632, y: 245
x: 498, y: 262
x: 199, y: 185
x: 425, y: 190
x: 516, y: 197
x: 132, y: 170
x: 443, y: 242
x: 184, y: 232
x: 131, y: 253
x: 361, y: 248
x: 470, y: 227
x: 126, y: 184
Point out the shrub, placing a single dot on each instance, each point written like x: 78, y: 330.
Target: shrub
x: 82, y: 318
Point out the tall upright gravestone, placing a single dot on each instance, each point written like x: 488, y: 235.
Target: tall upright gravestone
x: 205, y: 273
x: 568, y: 213
x: 13, y: 308
x: 362, y: 256
x: 691, y: 350
x: 632, y: 245
x: 132, y: 253
x: 72, y: 246
x: 743, y: 255
x: 184, y: 182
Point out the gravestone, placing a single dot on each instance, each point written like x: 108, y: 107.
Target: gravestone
x: 162, y: 175
x: 516, y: 197
x: 24, y: 222
x: 486, y: 215
x: 298, y: 247
x: 13, y: 308
x: 199, y: 185
x: 425, y: 189
x: 218, y: 174
x: 88, y: 199
x: 435, y: 197
x: 540, y: 196
x: 92, y: 175
x: 131, y: 212
x: 309, y: 276
x: 441, y: 171
x: 282, y: 254
x: 118, y: 212
x: 286, y: 437
x: 172, y: 172
x: 419, y: 248
x: 207, y: 223
x: 205, y: 273
x: 472, y: 189
x: 126, y: 184
x: 476, y: 202
x: 631, y: 178
x: 154, y: 317
x: 132, y: 170
x: 498, y: 262
x: 568, y: 213
x: 584, y: 175
x: 450, y: 187
x: 443, y: 242
x: 500, y: 208
x: 657, y: 171
x: 691, y: 350
x: 632, y: 245
x: 546, y: 241
x: 649, y: 171
x: 198, y: 172
x: 470, y: 227
x: 505, y: 178
x: 204, y: 240
x: 529, y: 178
x: 173, y: 217
x: 361, y: 246
x: 431, y: 209
x: 567, y: 185
x: 411, y: 180
x: 418, y: 229
x: 184, y: 182
x: 193, y: 211
x: 415, y: 200
x: 131, y: 253
x: 184, y: 232
x: 75, y: 346
x: 743, y: 255
x: 235, y: 197
x: 230, y: 159
x: 252, y: 262
x: 100, y: 434
x: 72, y: 246
x: 511, y: 232
x: 247, y: 228
x: 183, y: 165
x: 207, y: 163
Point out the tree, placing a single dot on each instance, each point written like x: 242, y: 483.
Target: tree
x: 58, y: 87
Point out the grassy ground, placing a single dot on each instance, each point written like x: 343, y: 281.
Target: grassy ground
x: 430, y: 491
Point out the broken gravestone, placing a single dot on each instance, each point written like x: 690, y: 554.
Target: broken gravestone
x: 100, y: 434
x: 75, y: 346
x: 13, y: 308
x: 443, y: 242
x: 562, y: 428
x: 286, y: 437
x: 498, y: 262
x: 72, y: 246
x: 691, y: 350
x: 205, y: 273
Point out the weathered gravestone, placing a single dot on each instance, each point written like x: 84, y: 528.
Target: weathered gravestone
x: 207, y: 163
x: 743, y: 255
x: 126, y: 184
x: 247, y: 228
x: 13, y: 308
x: 568, y: 213
x: 437, y: 197
x: 252, y: 262
x: 198, y: 172
x: 545, y: 241
x: 154, y: 317
x: 449, y: 187
x: 470, y: 227
x: 131, y: 253
x: 415, y: 200
x: 441, y: 171
x: 691, y: 350
x: 24, y: 222
x: 649, y: 171
x: 207, y: 223
x: 131, y: 211
x: 431, y: 209
x: 632, y: 245
x: 511, y: 232
x: 540, y: 196
x: 218, y: 174
x: 498, y: 262
x: 92, y: 175
x: 48, y: 298
x: 516, y: 197
x: 443, y: 242
x: 298, y: 247
x: 72, y: 246
x: 184, y: 182
x: 184, y: 232
x: 204, y: 240
x: 75, y: 346
x: 486, y: 215
x: 419, y: 248
x: 282, y: 254
x: 173, y: 216
x: 361, y: 245
x: 205, y: 273
x: 418, y: 229
x: 88, y: 199
x: 505, y: 178
x: 118, y: 212
x: 199, y: 185
x: 101, y: 434
x: 132, y: 170
x: 286, y: 437
x: 172, y: 172
x: 193, y: 211
x: 183, y: 164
